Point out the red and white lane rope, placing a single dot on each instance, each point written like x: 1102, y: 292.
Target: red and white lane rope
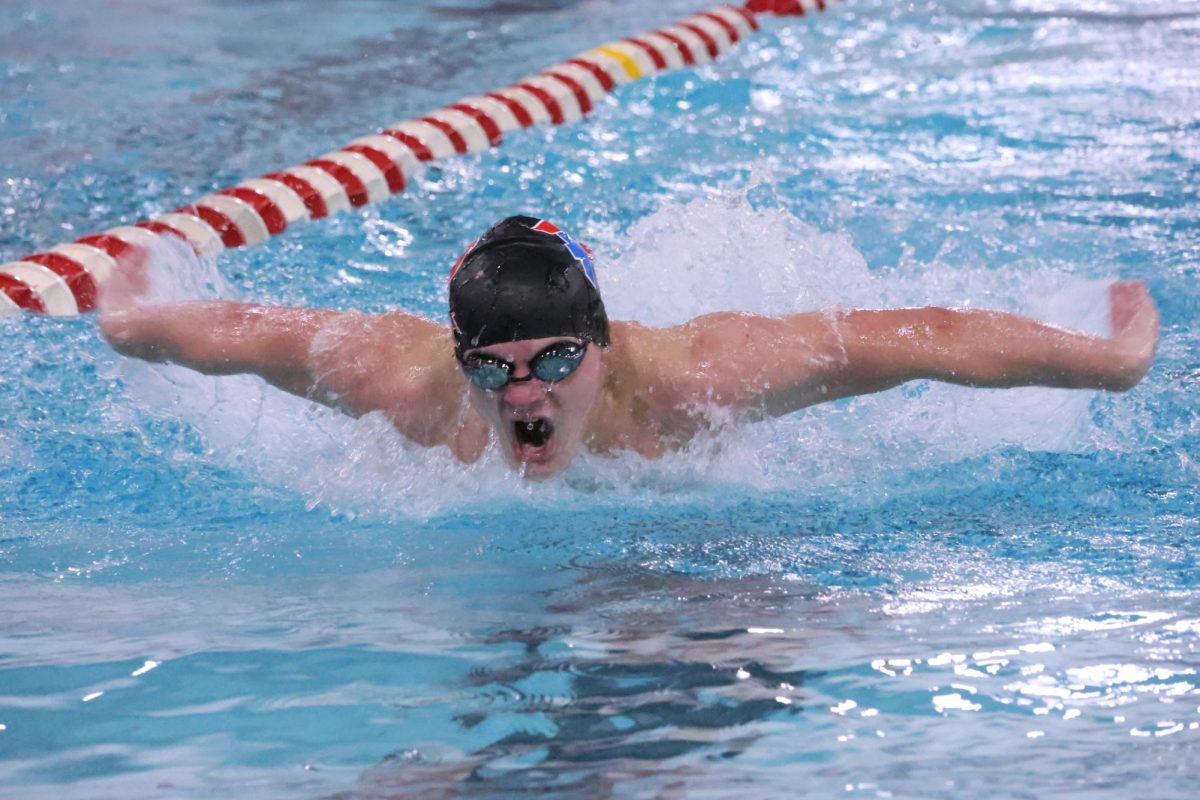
x: 65, y: 280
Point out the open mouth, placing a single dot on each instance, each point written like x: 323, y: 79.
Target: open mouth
x: 533, y: 433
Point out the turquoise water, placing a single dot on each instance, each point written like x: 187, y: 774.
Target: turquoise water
x: 209, y: 588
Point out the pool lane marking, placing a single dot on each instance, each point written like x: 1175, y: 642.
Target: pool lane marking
x: 666, y: 43
x: 555, y: 112
x: 484, y: 119
x: 137, y: 237
x: 603, y: 77
x: 160, y: 228
x: 452, y: 134
x: 635, y: 66
x: 495, y: 110
x: 477, y: 129
x: 531, y: 108
x: 583, y: 84
x: 724, y: 35
x: 15, y: 295
x: 83, y: 285
x: 424, y: 138
x: 66, y: 279
x: 571, y: 99
x: 354, y: 187
x: 593, y: 80
x: 46, y: 285
x: 701, y: 52
x: 286, y: 200
x: 419, y: 149
x: 393, y: 176
x: 227, y: 233
x: 633, y: 71
x: 785, y: 7
x: 98, y: 263
x: 112, y: 246
x: 204, y: 239
x: 658, y: 57
x: 310, y: 198
x: 243, y: 220
x: 518, y: 111
x: 410, y: 166
x: 261, y: 205
x: 732, y: 29
x: 366, y: 174
x: 327, y: 189
x: 681, y: 45
x: 748, y: 17
x: 706, y: 36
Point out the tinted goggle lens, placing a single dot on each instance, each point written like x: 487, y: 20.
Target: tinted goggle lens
x: 554, y: 364
x: 486, y: 374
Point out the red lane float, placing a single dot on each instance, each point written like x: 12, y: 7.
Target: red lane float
x: 66, y: 279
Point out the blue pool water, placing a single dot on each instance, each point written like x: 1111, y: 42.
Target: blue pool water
x: 210, y: 589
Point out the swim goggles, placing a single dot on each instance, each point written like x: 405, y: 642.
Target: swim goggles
x: 554, y: 364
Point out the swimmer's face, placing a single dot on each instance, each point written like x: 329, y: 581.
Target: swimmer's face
x: 540, y: 423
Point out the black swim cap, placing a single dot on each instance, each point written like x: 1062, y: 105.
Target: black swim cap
x: 525, y: 279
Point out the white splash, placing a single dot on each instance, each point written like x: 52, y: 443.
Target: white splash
x: 713, y: 254
x: 720, y: 253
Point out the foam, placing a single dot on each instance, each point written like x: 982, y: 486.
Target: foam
x: 716, y: 253
x: 722, y: 253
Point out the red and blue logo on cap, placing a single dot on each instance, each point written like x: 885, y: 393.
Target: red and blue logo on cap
x: 580, y: 251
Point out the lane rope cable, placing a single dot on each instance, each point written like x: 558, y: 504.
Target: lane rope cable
x: 65, y: 280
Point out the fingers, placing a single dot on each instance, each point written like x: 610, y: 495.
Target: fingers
x: 1132, y: 308
x: 1127, y: 293
x: 1135, y: 331
x: 128, y: 283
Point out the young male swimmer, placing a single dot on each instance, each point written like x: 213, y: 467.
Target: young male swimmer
x: 531, y: 361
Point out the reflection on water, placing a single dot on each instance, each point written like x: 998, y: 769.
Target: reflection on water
x: 597, y: 712
x: 928, y: 593
x: 776, y: 681
x: 584, y: 677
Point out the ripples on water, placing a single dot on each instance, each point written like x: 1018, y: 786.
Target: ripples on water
x: 211, y: 588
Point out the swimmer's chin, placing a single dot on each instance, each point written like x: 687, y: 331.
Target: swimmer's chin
x: 537, y: 470
x: 539, y: 466
x: 540, y: 472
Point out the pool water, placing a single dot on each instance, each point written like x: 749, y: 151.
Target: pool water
x: 210, y: 588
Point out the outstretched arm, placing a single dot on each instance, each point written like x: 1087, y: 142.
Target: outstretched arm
x: 356, y: 362
x: 222, y: 338
x: 780, y: 364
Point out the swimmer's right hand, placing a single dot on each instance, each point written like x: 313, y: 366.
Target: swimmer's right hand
x: 121, y: 303
x: 1134, y: 332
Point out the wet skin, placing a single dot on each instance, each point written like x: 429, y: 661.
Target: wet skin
x: 652, y: 391
x: 561, y: 410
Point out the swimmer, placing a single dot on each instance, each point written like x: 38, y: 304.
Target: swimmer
x: 531, y: 362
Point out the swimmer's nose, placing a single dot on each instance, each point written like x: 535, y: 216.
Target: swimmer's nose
x: 523, y: 388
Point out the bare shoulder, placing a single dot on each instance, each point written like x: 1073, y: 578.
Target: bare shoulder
x: 645, y: 360
x: 397, y: 363
x: 356, y: 343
